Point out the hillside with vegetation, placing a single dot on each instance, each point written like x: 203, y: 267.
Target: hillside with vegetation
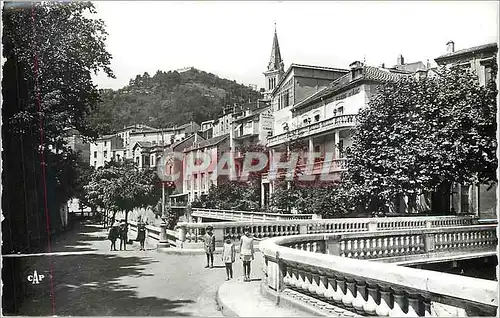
x: 169, y: 98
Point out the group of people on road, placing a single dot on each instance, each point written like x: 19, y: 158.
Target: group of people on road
x: 229, y: 252
x: 120, y: 231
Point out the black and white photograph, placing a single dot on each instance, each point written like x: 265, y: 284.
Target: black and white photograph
x: 250, y: 158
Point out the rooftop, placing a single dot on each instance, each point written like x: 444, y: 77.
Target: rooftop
x: 484, y: 47
x: 208, y: 143
x: 369, y: 73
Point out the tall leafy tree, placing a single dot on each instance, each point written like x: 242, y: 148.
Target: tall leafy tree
x: 420, y: 134
x: 51, y: 50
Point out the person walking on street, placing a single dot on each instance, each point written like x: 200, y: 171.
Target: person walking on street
x: 141, y: 234
x: 246, y: 252
x: 114, y: 233
x: 209, y: 243
x: 228, y: 256
x: 123, y: 235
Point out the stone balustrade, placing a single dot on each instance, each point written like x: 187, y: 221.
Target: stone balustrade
x: 399, y: 245
x: 307, y: 268
x: 153, y: 234
x: 192, y: 232
x: 235, y: 215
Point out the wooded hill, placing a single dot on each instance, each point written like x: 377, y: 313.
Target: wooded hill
x: 169, y: 98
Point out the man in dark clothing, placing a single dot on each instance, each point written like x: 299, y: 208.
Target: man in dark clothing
x: 123, y: 235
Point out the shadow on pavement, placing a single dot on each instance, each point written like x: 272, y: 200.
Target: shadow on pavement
x: 100, y: 283
x: 89, y: 285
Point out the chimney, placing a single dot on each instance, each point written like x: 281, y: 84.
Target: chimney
x: 401, y: 60
x: 450, y: 47
x: 356, y: 69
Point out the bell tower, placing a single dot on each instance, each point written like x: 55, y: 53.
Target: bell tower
x: 275, y: 68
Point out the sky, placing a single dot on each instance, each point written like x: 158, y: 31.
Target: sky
x: 233, y: 39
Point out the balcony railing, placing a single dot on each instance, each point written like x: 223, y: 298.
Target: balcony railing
x: 315, y: 269
x: 319, y: 167
x: 312, y: 129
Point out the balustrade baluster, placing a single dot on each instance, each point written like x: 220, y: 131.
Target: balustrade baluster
x: 362, y: 249
x: 413, y: 305
x: 391, y: 246
x: 287, y: 278
x: 314, y: 283
x: 383, y: 308
x: 413, y: 247
x: 349, y: 248
x: 398, y: 309
x: 368, y: 248
x: 427, y: 308
x: 342, y: 249
x: 330, y: 288
x: 322, y: 291
x: 370, y: 305
x: 407, y: 244
x: 339, y: 290
x: 306, y: 283
x: 293, y: 277
x: 361, y: 298
x: 300, y: 280
x: 355, y: 248
x: 350, y: 291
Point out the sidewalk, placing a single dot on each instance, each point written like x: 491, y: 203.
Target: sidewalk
x: 239, y: 299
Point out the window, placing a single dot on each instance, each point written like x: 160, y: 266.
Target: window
x: 317, y: 148
x: 105, y: 143
x: 95, y: 154
x: 105, y: 154
x: 287, y: 98
x: 95, y: 163
x: 118, y: 157
x: 114, y: 154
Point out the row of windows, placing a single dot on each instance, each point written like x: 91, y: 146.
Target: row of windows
x: 317, y: 117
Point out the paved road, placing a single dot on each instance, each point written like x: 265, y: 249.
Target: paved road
x: 88, y: 279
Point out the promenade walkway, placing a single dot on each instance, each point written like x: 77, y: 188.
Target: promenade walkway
x: 89, y: 280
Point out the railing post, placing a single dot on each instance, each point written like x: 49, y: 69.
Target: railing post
x: 303, y: 229
x: 182, y: 233
x: 372, y: 225
x: 163, y: 236
x: 429, y: 242
x: 219, y: 236
x: 333, y: 245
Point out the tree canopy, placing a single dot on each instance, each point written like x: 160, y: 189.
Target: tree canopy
x: 51, y: 51
x: 418, y: 133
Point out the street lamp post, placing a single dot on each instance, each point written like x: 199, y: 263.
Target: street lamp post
x: 163, y: 226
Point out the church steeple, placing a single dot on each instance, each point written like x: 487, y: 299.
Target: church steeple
x: 275, y: 62
x: 275, y: 68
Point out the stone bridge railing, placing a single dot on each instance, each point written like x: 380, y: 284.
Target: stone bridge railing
x: 347, y: 273
x: 192, y: 233
x: 234, y: 215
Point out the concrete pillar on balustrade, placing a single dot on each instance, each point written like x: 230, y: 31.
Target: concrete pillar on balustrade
x: 163, y: 242
x: 303, y: 229
x: 219, y: 236
x: 333, y: 245
x: 372, y: 225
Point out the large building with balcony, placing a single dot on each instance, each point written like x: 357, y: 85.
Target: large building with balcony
x: 324, y: 119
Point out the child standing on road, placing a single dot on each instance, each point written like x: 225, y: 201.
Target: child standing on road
x: 228, y: 256
x: 141, y: 234
x: 209, y: 242
x: 246, y: 252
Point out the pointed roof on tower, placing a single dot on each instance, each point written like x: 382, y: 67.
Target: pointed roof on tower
x: 275, y: 62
